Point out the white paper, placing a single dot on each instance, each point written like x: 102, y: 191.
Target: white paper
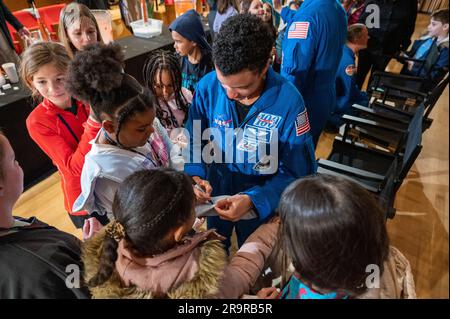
x: 207, y: 209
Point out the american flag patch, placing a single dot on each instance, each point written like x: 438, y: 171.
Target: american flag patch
x: 298, y: 30
x: 302, y: 123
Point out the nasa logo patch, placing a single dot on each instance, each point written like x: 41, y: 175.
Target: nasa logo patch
x: 350, y: 70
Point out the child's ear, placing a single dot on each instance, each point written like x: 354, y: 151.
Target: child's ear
x: 179, y: 233
x: 445, y: 27
x: 108, y: 126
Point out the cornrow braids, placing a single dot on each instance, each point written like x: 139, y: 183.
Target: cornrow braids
x: 144, y: 213
x: 138, y: 104
x: 150, y: 204
x: 156, y: 63
x: 176, y: 198
x: 124, y: 114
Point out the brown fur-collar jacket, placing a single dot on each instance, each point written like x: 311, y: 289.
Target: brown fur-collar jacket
x: 207, y: 274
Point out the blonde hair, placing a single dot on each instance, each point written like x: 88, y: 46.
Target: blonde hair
x: 70, y: 14
x: 40, y: 54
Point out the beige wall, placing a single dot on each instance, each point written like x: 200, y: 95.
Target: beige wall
x: 432, y: 5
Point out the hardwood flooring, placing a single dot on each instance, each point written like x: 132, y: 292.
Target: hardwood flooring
x: 419, y: 230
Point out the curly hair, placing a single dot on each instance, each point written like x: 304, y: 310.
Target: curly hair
x: 96, y: 73
x: 243, y: 42
x: 147, y: 212
x: 95, y: 76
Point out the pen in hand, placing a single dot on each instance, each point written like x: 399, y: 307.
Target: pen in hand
x: 203, y: 191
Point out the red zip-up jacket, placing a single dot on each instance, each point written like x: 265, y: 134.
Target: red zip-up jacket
x: 67, y: 153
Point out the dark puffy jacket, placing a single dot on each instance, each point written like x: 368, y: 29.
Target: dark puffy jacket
x: 34, y: 263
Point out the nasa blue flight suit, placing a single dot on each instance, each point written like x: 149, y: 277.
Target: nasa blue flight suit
x: 347, y: 89
x: 312, y: 50
x: 278, y: 116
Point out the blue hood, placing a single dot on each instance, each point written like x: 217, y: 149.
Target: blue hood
x: 189, y: 26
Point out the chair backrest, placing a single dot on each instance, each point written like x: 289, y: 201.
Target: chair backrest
x: 104, y: 21
x: 12, y: 32
x: 50, y: 15
x: 26, y: 18
x: 413, y: 144
x: 386, y: 198
x: 401, y: 166
x: 381, y: 87
x: 10, y: 28
x: 435, y: 95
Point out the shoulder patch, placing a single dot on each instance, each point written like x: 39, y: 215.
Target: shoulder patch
x: 267, y: 120
x: 302, y: 123
x: 298, y: 30
x: 350, y: 70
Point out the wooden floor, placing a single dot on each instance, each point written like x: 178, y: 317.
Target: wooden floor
x: 419, y: 230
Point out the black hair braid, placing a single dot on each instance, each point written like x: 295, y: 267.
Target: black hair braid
x: 175, y: 199
x: 180, y: 100
x: 106, y: 264
x: 156, y: 63
x: 166, y: 116
x: 123, y: 116
x: 139, y: 103
x: 101, y: 102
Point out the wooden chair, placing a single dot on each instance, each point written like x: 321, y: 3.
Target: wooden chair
x: 50, y: 16
x: 104, y: 21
